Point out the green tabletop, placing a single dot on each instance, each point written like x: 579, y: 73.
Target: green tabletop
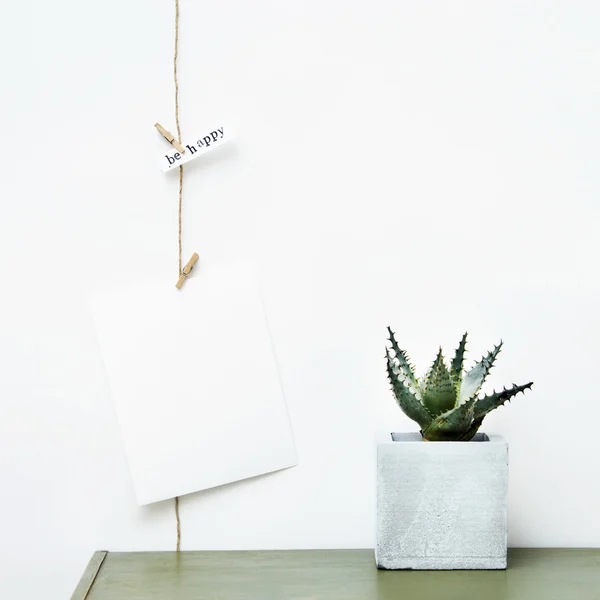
x: 532, y: 574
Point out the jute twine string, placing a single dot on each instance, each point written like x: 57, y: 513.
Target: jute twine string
x: 176, y: 81
x: 180, y: 205
x: 178, y: 544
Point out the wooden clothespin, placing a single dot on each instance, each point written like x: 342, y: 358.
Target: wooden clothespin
x: 169, y: 137
x: 186, y: 271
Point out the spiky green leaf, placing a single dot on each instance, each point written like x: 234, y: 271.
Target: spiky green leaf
x: 488, y: 403
x: 450, y: 425
x: 429, y: 378
x: 456, y: 368
x: 402, y: 360
x: 474, y: 379
x: 473, y: 429
x: 439, y: 393
x: 404, y: 393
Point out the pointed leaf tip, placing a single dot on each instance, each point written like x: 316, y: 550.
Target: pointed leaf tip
x: 405, y: 396
x: 456, y: 366
x: 438, y: 388
x: 488, y: 403
x: 402, y: 363
x: 474, y: 379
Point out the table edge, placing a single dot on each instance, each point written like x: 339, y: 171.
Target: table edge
x: 89, y: 575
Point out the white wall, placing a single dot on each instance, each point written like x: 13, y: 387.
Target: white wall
x: 429, y: 165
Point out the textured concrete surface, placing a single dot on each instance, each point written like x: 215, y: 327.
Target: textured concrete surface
x: 441, y: 505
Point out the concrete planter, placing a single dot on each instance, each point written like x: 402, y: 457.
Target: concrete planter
x: 441, y: 505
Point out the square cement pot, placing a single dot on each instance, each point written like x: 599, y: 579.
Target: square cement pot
x: 441, y: 505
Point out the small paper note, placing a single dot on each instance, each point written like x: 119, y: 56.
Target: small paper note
x: 194, y: 381
x: 199, y: 146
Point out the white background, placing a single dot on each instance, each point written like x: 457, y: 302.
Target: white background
x: 428, y: 165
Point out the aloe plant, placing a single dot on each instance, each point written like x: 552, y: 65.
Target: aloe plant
x: 446, y: 402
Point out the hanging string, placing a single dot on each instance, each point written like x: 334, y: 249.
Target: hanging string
x: 176, y: 82
x: 178, y: 544
x: 180, y: 205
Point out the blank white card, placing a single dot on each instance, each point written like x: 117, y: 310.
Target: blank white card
x: 194, y: 381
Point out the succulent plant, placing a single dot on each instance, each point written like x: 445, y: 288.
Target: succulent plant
x: 445, y: 402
